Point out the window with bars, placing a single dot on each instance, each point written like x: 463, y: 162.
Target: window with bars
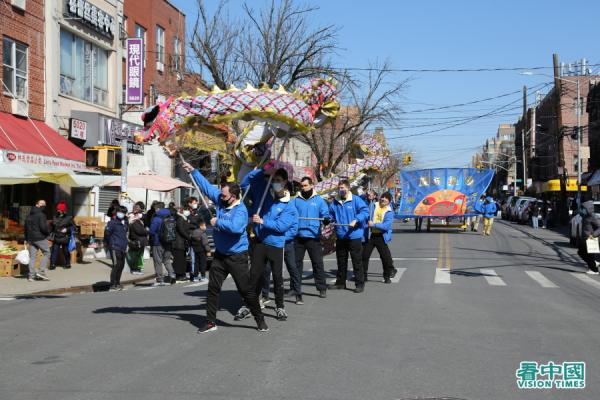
x: 160, y: 44
x: 176, y: 54
x: 14, y: 68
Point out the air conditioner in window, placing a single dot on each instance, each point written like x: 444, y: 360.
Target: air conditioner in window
x: 160, y: 66
x: 20, y: 107
x: 20, y: 4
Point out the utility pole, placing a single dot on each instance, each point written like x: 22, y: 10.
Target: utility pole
x: 564, y: 207
x: 579, y: 134
x: 523, y: 138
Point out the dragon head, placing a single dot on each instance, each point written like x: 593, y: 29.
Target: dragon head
x: 158, y: 123
x: 321, y: 96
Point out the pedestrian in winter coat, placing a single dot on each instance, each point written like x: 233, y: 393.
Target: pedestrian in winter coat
x: 534, y: 211
x: 351, y: 215
x: 200, y: 246
x: 488, y: 210
x: 161, y: 255
x: 115, y: 239
x: 36, y: 237
x: 590, y: 229
x: 180, y: 245
x: 380, y: 234
x: 138, y: 240
x: 62, y: 228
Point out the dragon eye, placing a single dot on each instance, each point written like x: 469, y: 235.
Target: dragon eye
x: 428, y: 200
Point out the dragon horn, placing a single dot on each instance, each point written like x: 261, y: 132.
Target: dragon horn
x: 216, y: 89
x: 281, y: 90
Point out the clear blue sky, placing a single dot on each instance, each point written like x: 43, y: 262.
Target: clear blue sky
x: 456, y: 34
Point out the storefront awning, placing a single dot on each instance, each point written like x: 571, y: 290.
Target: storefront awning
x: 553, y: 185
x: 35, y: 137
x: 16, y: 174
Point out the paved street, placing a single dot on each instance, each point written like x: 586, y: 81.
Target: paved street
x: 462, y: 333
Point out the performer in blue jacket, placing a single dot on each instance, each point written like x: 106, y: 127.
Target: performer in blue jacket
x: 271, y: 223
x: 351, y: 214
x: 310, y: 205
x: 231, y: 245
x: 379, y: 235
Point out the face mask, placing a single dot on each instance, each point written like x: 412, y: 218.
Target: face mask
x: 225, y: 203
x: 277, y: 187
x: 342, y: 193
x: 186, y: 213
x: 306, y: 194
x: 194, y: 206
x: 120, y: 215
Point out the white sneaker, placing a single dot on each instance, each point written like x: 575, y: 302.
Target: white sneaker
x: 590, y: 272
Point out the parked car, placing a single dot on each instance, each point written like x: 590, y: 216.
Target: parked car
x: 575, y: 229
x: 510, y: 205
x: 525, y: 215
x: 518, y: 208
x: 505, y: 206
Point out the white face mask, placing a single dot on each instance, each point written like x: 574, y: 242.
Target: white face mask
x: 194, y: 206
x: 120, y: 215
x: 277, y: 187
x: 186, y: 213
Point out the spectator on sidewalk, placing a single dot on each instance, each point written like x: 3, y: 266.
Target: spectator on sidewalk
x: 162, y: 256
x: 534, y: 211
x: 62, y: 228
x: 200, y: 247
x: 138, y: 240
x: 115, y: 239
x: 489, y: 210
x: 590, y: 229
x: 179, y: 246
x: 36, y: 237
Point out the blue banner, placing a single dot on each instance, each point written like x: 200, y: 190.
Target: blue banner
x: 442, y: 192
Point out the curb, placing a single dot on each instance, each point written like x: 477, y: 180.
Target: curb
x: 77, y: 289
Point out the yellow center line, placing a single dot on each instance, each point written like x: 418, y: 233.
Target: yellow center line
x: 448, y: 257
x: 440, y: 262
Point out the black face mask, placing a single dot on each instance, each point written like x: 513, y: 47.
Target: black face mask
x: 306, y: 195
x: 225, y: 203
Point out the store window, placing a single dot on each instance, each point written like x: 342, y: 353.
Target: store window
x: 160, y: 45
x: 83, y: 69
x: 140, y: 32
x: 14, y: 63
x: 176, y: 54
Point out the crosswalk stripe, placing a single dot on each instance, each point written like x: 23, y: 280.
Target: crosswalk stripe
x: 399, y: 273
x: 541, y: 279
x: 587, y: 279
x: 197, y: 284
x: 393, y: 259
x: 492, y: 277
x: 6, y: 298
x: 146, y: 288
x: 442, y: 276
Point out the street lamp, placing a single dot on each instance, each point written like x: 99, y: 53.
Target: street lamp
x: 578, y: 114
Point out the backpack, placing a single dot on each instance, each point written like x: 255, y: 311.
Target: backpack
x: 168, y: 231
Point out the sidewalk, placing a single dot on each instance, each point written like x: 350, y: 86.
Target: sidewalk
x: 79, y: 278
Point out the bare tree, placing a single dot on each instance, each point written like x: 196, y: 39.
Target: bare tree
x: 372, y: 102
x: 215, y: 45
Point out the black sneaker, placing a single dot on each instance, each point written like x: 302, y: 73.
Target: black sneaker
x: 387, y: 280
x: 52, y: 267
x: 261, y: 325
x: 209, y: 327
x: 323, y: 294
x: 394, y: 272
x: 299, y: 300
x: 243, y: 313
x: 359, y: 289
x: 281, y: 315
x: 337, y: 286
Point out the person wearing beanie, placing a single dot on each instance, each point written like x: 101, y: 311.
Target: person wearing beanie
x: 62, y: 227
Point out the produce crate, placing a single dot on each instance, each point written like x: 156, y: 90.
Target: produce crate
x: 9, y: 267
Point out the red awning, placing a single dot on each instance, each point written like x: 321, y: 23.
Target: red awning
x: 20, y: 134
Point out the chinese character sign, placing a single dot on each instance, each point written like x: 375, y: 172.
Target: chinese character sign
x: 442, y: 192
x: 135, y: 71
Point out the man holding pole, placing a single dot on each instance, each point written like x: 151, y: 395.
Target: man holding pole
x: 312, y: 209
x: 272, y: 218
x: 231, y: 244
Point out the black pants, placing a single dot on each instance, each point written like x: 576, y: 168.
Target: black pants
x: 55, y: 251
x: 315, y: 253
x: 118, y: 258
x: 262, y: 254
x: 376, y: 241
x: 200, y: 261
x: 354, y: 247
x: 237, y: 266
x: 179, y: 262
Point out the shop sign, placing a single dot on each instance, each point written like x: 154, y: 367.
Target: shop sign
x: 112, y: 131
x: 133, y: 147
x: 38, y: 160
x: 78, y: 129
x: 134, y: 85
x: 92, y: 16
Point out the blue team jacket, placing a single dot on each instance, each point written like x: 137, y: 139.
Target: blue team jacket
x: 279, y: 215
x: 386, y: 224
x: 313, y: 207
x: 489, y: 208
x: 230, y: 231
x: 353, y: 208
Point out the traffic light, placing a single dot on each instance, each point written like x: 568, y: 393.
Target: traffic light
x: 105, y: 157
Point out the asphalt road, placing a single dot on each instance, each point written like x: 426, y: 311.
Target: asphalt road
x: 443, y: 328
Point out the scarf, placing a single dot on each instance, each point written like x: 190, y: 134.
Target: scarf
x: 378, y: 216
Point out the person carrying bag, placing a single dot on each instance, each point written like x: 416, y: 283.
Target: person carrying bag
x: 590, y: 231
x: 138, y: 240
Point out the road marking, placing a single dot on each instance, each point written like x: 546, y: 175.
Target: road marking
x: 349, y: 277
x: 587, y: 279
x: 146, y: 288
x: 492, y: 277
x: 393, y: 258
x: 541, y: 279
x: 7, y: 298
x: 440, y: 260
x: 399, y: 273
x: 442, y: 276
x: 448, y: 256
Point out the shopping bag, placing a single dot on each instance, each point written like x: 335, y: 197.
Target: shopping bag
x: 72, y: 242
x: 23, y: 257
x: 592, y: 246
